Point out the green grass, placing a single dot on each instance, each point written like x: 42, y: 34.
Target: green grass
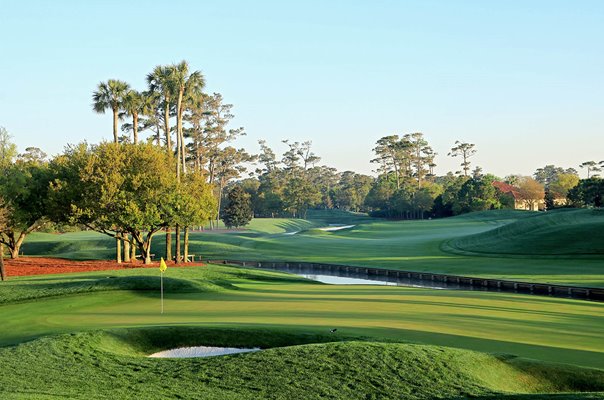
x: 59, y: 331
x: 113, y: 365
x: 442, y: 246
x: 566, y: 232
x: 543, y: 328
x: 62, y: 330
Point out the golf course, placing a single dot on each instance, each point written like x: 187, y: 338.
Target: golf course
x: 307, y: 200
x: 317, y: 340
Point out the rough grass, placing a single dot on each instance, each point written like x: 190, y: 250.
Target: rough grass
x: 113, y: 365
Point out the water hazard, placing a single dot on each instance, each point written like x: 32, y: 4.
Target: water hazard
x: 339, y: 277
x: 350, y: 275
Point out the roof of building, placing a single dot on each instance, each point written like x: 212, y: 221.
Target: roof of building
x: 507, y: 188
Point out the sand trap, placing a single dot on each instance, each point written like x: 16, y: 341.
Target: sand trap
x: 291, y: 233
x: 200, y: 351
x: 336, y: 228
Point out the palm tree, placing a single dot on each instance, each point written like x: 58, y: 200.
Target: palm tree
x: 151, y: 109
x: 185, y: 84
x: 110, y: 95
x: 160, y: 83
x: 132, y: 105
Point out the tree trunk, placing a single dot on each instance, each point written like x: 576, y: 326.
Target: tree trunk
x: 178, y: 138
x: 135, y: 127
x: 126, y: 248
x: 115, y: 138
x: 219, y: 203
x: 15, y: 245
x: 118, y: 250
x: 186, y: 244
x: 147, y: 254
x: 133, y: 253
x: 167, y: 125
x: 177, y: 260
x: 168, y: 244
x: 179, y: 134
x: 2, y: 273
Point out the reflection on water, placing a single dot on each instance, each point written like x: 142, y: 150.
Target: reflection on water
x: 346, y: 280
x: 341, y: 277
x: 350, y: 275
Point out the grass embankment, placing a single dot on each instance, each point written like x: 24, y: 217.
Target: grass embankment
x: 576, y: 233
x: 427, y: 245
x: 113, y: 364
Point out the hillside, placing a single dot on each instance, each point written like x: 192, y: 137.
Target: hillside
x: 556, y: 233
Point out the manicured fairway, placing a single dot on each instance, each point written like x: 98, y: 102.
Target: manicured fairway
x: 429, y: 245
x: 536, y: 327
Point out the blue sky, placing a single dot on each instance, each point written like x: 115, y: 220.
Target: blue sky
x: 523, y: 80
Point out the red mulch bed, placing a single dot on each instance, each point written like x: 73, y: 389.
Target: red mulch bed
x: 41, y: 266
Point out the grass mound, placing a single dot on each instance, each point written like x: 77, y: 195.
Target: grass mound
x: 114, y: 365
x: 565, y: 232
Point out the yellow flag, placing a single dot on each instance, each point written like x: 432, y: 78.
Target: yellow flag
x: 162, y: 265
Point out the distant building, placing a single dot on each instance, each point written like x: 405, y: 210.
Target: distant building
x: 511, y: 197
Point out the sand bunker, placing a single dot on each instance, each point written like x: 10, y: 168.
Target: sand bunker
x: 200, y: 351
x: 336, y: 227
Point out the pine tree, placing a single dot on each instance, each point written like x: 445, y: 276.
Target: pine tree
x: 238, y: 211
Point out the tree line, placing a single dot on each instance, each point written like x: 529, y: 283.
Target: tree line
x: 186, y: 172
x: 405, y: 186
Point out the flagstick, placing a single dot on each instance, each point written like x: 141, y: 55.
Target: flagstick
x: 162, y: 291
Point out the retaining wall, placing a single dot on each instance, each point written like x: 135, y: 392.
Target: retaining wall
x: 489, y: 284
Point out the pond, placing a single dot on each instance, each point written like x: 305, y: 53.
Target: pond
x: 335, y: 277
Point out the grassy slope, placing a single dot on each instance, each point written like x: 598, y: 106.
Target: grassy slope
x: 566, y: 232
x: 535, y: 327
x: 407, y: 245
x: 113, y: 365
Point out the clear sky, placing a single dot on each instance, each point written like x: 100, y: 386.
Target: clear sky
x: 523, y: 80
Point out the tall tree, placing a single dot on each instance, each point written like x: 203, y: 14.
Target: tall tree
x: 465, y: 150
x: 591, y: 167
x: 132, y: 105
x: 309, y: 158
x: 230, y: 164
x: 160, y: 82
x: 392, y: 153
x: 185, y: 83
x: 162, y: 86
x: 421, y: 155
x: 267, y: 157
x: 110, y: 96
